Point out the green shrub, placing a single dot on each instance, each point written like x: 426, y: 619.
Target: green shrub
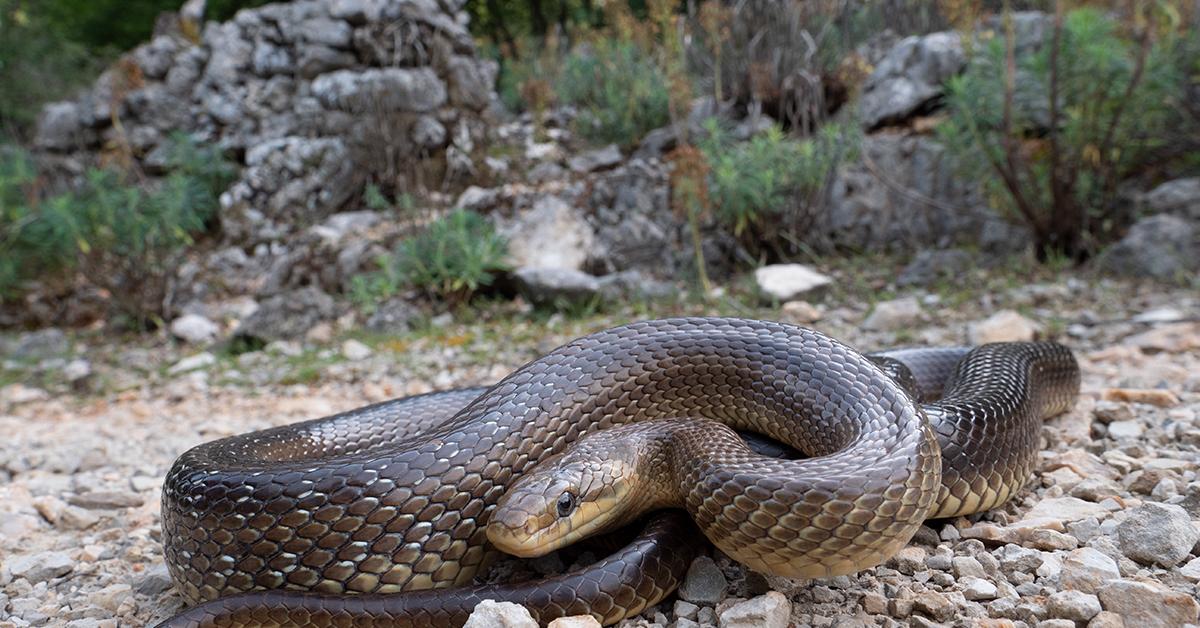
x: 453, y: 258
x: 119, y: 236
x: 1052, y: 139
x: 620, y: 91
x: 769, y: 189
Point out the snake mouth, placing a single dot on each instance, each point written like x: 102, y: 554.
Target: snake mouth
x: 520, y: 533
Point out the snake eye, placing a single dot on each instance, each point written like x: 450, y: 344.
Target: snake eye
x: 566, y: 503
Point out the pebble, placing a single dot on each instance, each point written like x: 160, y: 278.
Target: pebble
x: 976, y: 589
x: 154, y: 581
x: 1087, y: 569
x: 354, y: 350
x: 685, y: 610
x: 1074, y: 605
x: 576, y: 621
x: 893, y: 315
x: 493, y: 614
x: 1003, y: 326
x: 1125, y: 430
x: 1154, y: 396
x: 704, y: 582
x: 1157, y: 534
x: 40, y: 567
x: 101, y: 500
x: 787, y: 282
x: 800, y: 312
x: 192, y: 363
x: 194, y: 329
x: 935, y: 605
x: 772, y: 610
x: 967, y: 567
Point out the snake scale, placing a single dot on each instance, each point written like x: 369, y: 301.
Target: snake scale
x: 398, y: 497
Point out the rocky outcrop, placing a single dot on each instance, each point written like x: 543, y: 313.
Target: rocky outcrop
x: 1164, y: 247
x: 910, y: 77
x: 304, y: 92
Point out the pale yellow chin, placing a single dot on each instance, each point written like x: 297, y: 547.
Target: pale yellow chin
x: 589, y: 518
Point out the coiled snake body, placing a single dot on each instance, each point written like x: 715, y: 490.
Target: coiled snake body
x: 397, y: 497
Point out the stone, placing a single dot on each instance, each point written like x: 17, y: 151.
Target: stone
x: 556, y: 286
x: 934, y: 605
x: 1157, y: 534
x: 931, y: 266
x: 593, y: 160
x: 1191, y: 570
x: 909, y: 77
x: 493, y: 614
x: 427, y: 132
x: 1162, y: 247
x: 894, y: 315
x: 60, y: 127
x: 978, y: 589
x: 104, y: 500
x: 800, y: 313
x: 40, y: 567
x: 1087, y: 569
x: 354, y: 350
x: 110, y: 597
x: 685, y: 610
x: 287, y: 316
x: 787, y: 282
x: 1056, y: 623
x: 1149, y: 605
x: 1073, y: 605
x: 194, y: 329
x: 772, y: 610
x: 633, y: 284
x: 1153, y: 396
x: 1180, y: 197
x: 381, y: 89
x: 967, y: 566
x: 154, y: 580
x: 393, y: 316
x: 1106, y: 620
x: 471, y: 81
x: 577, y: 621
x: 1003, y: 326
x: 192, y: 363
x: 77, y: 371
x: 1125, y: 430
x: 553, y: 234
x: 874, y: 603
x: 908, y: 560
x: 34, y: 345
x: 704, y: 582
x: 1064, y: 509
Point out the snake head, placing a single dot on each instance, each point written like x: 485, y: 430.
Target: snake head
x: 596, y: 486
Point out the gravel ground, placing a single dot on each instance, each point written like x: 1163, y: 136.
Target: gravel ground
x: 1106, y: 534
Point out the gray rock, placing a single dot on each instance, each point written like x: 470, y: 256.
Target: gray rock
x: 192, y: 363
x: 704, y: 582
x: 1074, y: 605
x: 1157, y: 534
x: 978, y: 589
x: 154, y: 581
x: 393, y: 316
x: 40, y: 567
x: 598, y: 159
x: 1148, y: 605
x: 556, y: 286
x: 321, y: 31
x: 36, y: 345
x: 931, y: 266
x: 633, y: 284
x: 194, y: 329
x: 910, y: 77
x: 381, y: 90
x: 1180, y: 197
x: 1162, y: 247
x: 893, y: 315
x: 77, y: 371
x: 60, y: 127
x: 1003, y: 326
x: 492, y: 614
x: 545, y: 171
x: 314, y: 60
x: 787, y: 282
x: 288, y: 315
x: 106, y: 500
x: 354, y: 350
x: 1087, y: 569
x: 428, y: 132
x: 772, y: 610
x: 291, y: 181
x: 471, y: 81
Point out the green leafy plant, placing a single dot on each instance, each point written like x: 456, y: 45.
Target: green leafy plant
x: 453, y: 258
x: 125, y: 238
x: 1052, y: 133
x: 769, y: 189
x: 620, y: 91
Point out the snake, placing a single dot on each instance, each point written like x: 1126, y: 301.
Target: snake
x: 385, y: 515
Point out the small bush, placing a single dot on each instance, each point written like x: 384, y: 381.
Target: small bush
x: 769, y: 189
x: 122, y: 237
x: 453, y: 258
x: 620, y: 91
x: 1051, y: 134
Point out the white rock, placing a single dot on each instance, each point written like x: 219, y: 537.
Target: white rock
x: 1064, y: 509
x: 194, y: 329
x: 1191, y: 571
x: 1075, y: 605
x: 893, y: 315
x: 110, y: 598
x: 785, y: 282
x: 576, y: 621
x: 77, y: 370
x: 1125, y: 430
x: 355, y: 350
x: 192, y: 363
x: 1087, y: 569
x: 18, y: 393
x: 976, y: 589
x: 1157, y: 534
x: 553, y: 234
x: 1003, y: 326
x: 772, y: 610
x: 493, y: 614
